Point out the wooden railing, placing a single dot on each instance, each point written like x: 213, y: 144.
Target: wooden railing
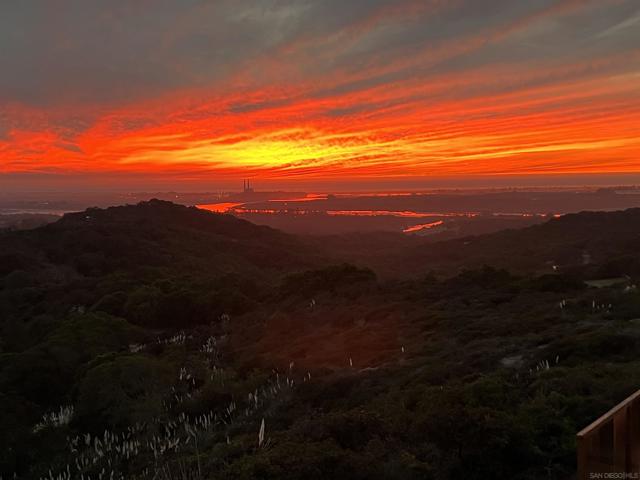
x: 611, y: 444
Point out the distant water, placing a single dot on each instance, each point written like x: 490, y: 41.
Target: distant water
x: 34, y: 211
x: 244, y: 208
x: 219, y: 207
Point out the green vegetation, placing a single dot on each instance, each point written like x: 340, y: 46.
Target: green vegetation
x: 152, y: 341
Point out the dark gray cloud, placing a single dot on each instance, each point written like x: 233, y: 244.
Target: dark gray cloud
x: 116, y: 51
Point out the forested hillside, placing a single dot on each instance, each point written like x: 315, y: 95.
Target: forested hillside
x: 607, y: 240
x: 160, y: 341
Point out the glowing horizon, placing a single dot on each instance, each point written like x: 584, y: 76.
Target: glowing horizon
x: 552, y: 89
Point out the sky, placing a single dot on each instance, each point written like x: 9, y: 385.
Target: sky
x: 196, y: 94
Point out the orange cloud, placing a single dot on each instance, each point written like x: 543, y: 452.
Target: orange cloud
x: 394, y: 119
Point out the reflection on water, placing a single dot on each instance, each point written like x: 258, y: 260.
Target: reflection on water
x: 406, y: 213
x: 33, y: 211
x: 406, y: 221
x: 219, y: 207
x: 309, y: 197
x: 245, y: 208
x: 422, y: 226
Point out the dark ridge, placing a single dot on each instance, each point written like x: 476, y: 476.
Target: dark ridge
x: 569, y: 241
x: 159, y: 234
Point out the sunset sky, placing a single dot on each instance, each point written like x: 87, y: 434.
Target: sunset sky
x: 204, y: 93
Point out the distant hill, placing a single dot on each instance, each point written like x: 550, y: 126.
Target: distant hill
x: 582, y: 240
x: 156, y: 263
x: 25, y: 221
x: 157, y: 234
x: 160, y: 234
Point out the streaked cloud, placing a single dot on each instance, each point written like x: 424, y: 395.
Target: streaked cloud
x: 319, y: 89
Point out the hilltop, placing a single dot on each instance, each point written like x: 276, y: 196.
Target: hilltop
x: 159, y: 233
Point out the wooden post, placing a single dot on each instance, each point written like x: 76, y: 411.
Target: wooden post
x: 582, y: 457
x: 620, y: 440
